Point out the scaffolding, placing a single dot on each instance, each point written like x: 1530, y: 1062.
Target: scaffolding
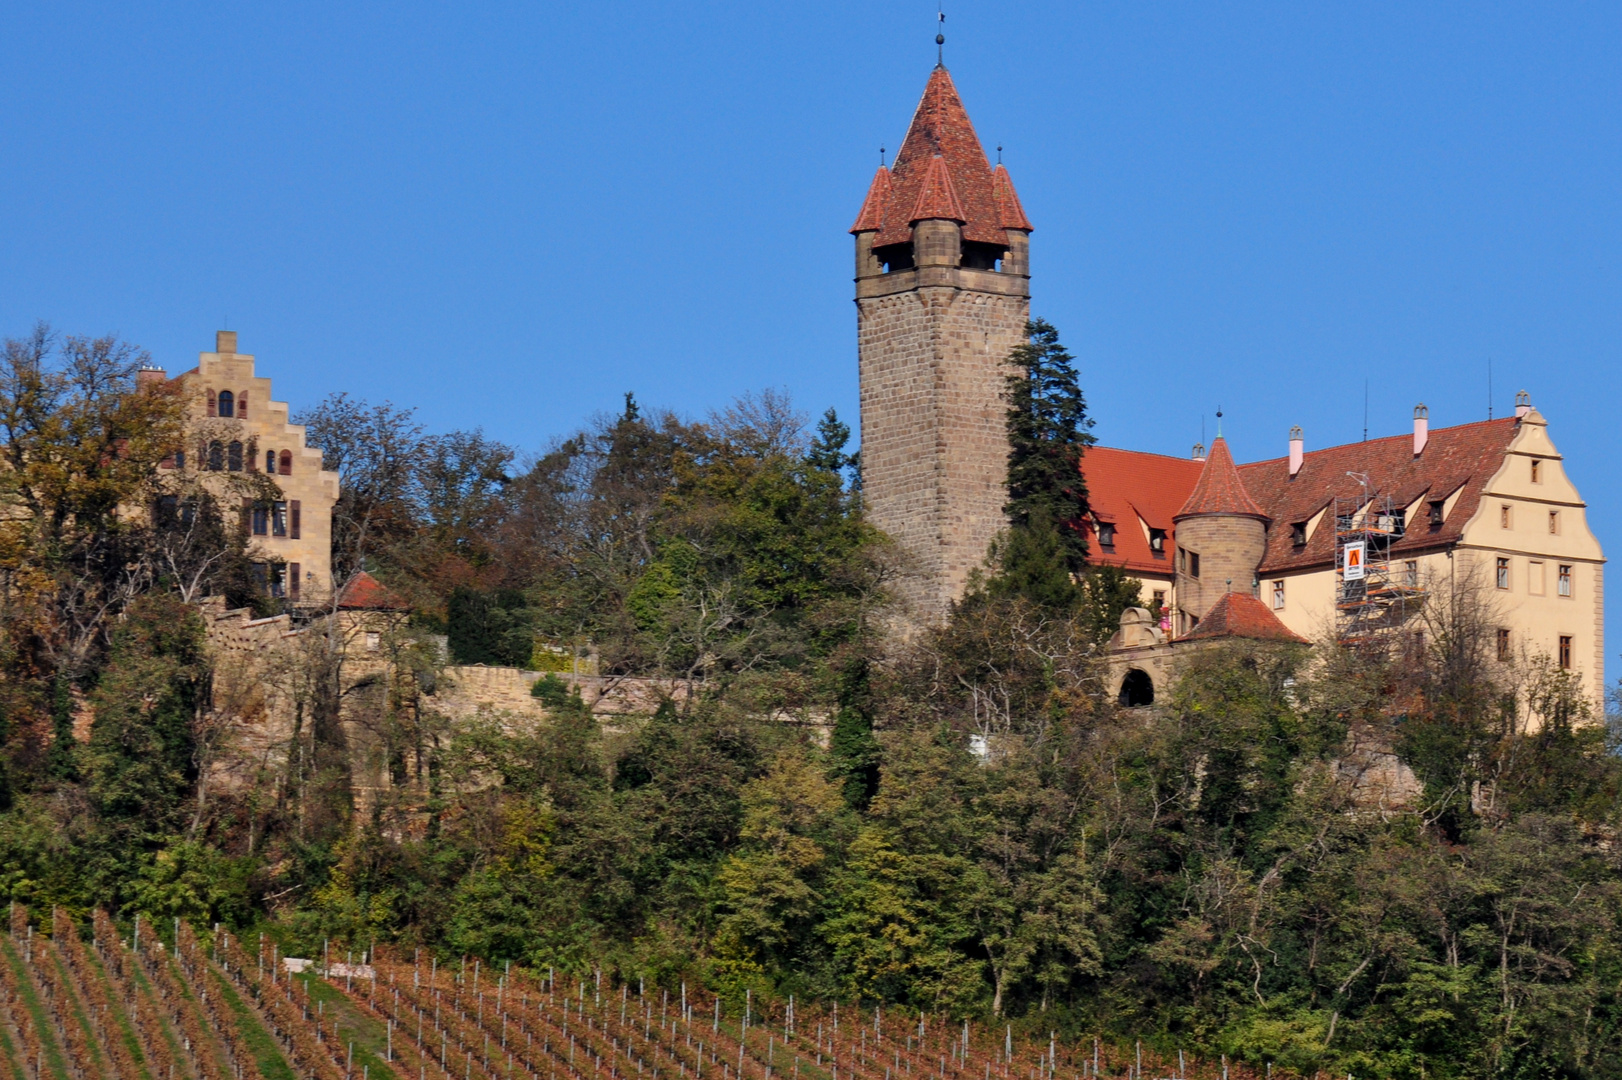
x: 1370, y: 597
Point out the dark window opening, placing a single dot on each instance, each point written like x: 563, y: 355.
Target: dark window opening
x: 1298, y: 534
x: 1437, y: 506
x: 1137, y: 689
x: 1503, y: 644
x: 1157, y: 542
x: 227, y: 403
x: 180, y: 459
x: 233, y: 457
x: 270, y: 461
x: 895, y: 257
x: 278, y: 519
x: 216, y: 456
x: 978, y: 255
x: 261, y: 520
x: 1565, y: 652
x: 1106, y: 535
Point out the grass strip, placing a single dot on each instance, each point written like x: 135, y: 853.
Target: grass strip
x: 125, y: 1026
x: 36, y: 1008
x: 272, y: 1066
x: 143, y: 985
x: 369, y: 1037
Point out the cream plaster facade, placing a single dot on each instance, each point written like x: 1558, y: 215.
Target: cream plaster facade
x: 294, y: 531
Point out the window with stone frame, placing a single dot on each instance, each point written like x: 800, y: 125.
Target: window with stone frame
x: 1563, y: 581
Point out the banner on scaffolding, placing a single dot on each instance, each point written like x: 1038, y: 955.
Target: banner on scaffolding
x: 1355, y: 554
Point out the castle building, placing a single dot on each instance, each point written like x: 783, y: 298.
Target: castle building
x: 1353, y: 539
x: 942, y: 296
x: 236, y: 428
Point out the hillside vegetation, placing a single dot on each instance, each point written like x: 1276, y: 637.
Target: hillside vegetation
x: 984, y: 838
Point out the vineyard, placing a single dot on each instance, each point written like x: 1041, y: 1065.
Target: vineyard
x: 145, y: 1002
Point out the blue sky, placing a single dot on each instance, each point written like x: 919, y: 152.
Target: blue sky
x: 507, y: 216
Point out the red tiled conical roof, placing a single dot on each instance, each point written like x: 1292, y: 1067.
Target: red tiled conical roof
x: 941, y: 126
x: 871, y: 219
x: 937, y: 199
x: 1240, y: 615
x: 1010, y: 215
x: 1219, y: 490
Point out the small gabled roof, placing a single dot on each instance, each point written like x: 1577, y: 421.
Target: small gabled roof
x: 871, y: 219
x: 363, y: 592
x: 937, y: 199
x: 1010, y: 214
x: 1240, y: 615
x: 1220, y: 490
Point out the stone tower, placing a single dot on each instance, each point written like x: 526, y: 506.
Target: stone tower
x: 942, y: 295
x: 1221, y: 538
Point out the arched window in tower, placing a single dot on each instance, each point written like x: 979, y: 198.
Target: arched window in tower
x: 233, y: 457
x: 270, y: 461
x: 227, y: 403
x: 216, y: 456
x: 287, y: 463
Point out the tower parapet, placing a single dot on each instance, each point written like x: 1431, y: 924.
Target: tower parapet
x: 942, y: 297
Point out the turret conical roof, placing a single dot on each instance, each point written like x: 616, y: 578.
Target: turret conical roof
x: 871, y: 219
x: 941, y: 128
x: 938, y: 198
x: 1219, y: 489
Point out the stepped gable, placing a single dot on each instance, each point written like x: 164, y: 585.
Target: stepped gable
x: 871, y: 219
x: 937, y: 201
x: 1010, y: 214
x: 363, y: 592
x: 1126, y: 487
x: 941, y: 126
x: 1456, y: 459
x: 1220, y: 490
x: 1240, y: 615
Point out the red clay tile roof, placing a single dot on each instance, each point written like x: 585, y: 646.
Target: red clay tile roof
x: 871, y: 219
x: 363, y: 592
x: 1465, y: 457
x: 1136, y: 492
x: 1010, y: 214
x: 941, y: 126
x: 1240, y: 615
x: 1220, y: 491
x: 937, y: 199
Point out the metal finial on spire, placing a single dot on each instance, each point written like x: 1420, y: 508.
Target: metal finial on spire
x: 1219, y: 421
x: 940, y: 37
x: 881, y: 157
x: 999, y: 154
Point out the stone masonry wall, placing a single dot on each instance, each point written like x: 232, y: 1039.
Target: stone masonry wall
x: 1230, y: 549
x: 934, y: 436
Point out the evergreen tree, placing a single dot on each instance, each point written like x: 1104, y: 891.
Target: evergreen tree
x: 853, y: 750
x: 1047, y: 433
x: 828, y: 448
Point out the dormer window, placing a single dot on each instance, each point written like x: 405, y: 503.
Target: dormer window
x: 1298, y: 534
x: 1106, y: 535
x: 1438, y: 510
x: 1157, y: 542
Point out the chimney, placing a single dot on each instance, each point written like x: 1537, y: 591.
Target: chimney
x: 1298, y: 450
x: 149, y: 376
x: 1422, y: 428
x: 225, y: 341
x: 1523, y: 404
x: 1199, y: 451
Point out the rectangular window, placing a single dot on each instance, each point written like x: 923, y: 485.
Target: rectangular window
x: 1157, y: 542
x: 1554, y: 523
x: 1278, y: 596
x: 1193, y: 564
x: 1565, y: 652
x: 1503, y: 573
x: 1565, y: 581
x: 293, y: 526
x: 374, y: 640
x: 1160, y: 599
x: 1504, y: 516
x: 1437, y: 512
x: 261, y: 519
x: 278, y: 518
x: 1503, y: 644
x: 1537, y: 471
x: 180, y: 459
x: 1182, y: 560
x: 1298, y: 534
x: 278, y: 579
x: 1534, y: 577
x: 1106, y: 535
x: 1410, y: 573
